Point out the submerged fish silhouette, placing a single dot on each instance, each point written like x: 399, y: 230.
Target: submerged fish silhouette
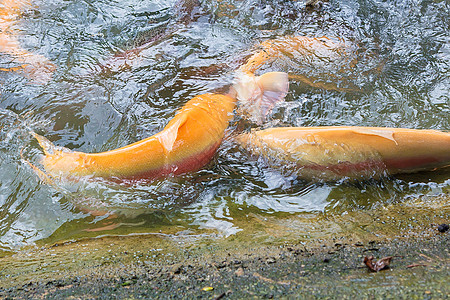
x: 319, y: 62
x: 34, y: 66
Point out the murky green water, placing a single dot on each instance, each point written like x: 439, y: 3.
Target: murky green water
x: 99, y: 99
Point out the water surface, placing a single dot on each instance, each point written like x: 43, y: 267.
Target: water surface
x: 104, y: 95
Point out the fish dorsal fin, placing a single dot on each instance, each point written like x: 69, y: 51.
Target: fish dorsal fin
x: 384, y: 133
x: 168, y: 136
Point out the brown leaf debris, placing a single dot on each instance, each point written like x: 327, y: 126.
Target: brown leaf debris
x: 376, y: 266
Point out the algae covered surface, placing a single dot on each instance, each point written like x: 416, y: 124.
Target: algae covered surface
x: 276, y: 261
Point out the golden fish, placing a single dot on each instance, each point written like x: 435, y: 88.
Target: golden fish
x: 320, y: 62
x: 186, y: 144
x: 333, y: 153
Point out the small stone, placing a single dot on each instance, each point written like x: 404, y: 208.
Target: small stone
x: 443, y: 227
x: 239, y: 272
x: 127, y: 283
x: 176, y: 269
x: 270, y: 260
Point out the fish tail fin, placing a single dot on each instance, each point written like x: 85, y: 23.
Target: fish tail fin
x: 259, y: 94
x: 44, y: 177
x: 61, y: 161
x: 41, y: 174
x: 48, y: 147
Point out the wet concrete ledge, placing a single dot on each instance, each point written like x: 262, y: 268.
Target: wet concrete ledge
x: 161, y: 266
x: 419, y: 270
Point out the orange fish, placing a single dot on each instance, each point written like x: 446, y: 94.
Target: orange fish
x: 333, y: 153
x: 257, y: 104
x: 186, y: 144
x: 293, y: 46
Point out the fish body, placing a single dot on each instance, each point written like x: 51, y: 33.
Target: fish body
x: 320, y: 62
x: 296, y: 47
x: 333, y: 153
x: 186, y: 144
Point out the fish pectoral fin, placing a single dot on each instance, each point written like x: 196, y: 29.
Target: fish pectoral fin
x: 246, y: 87
x: 169, y: 135
x: 250, y: 87
x: 274, y: 86
x: 259, y: 94
x: 274, y: 82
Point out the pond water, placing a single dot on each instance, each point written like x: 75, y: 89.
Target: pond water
x: 103, y: 94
